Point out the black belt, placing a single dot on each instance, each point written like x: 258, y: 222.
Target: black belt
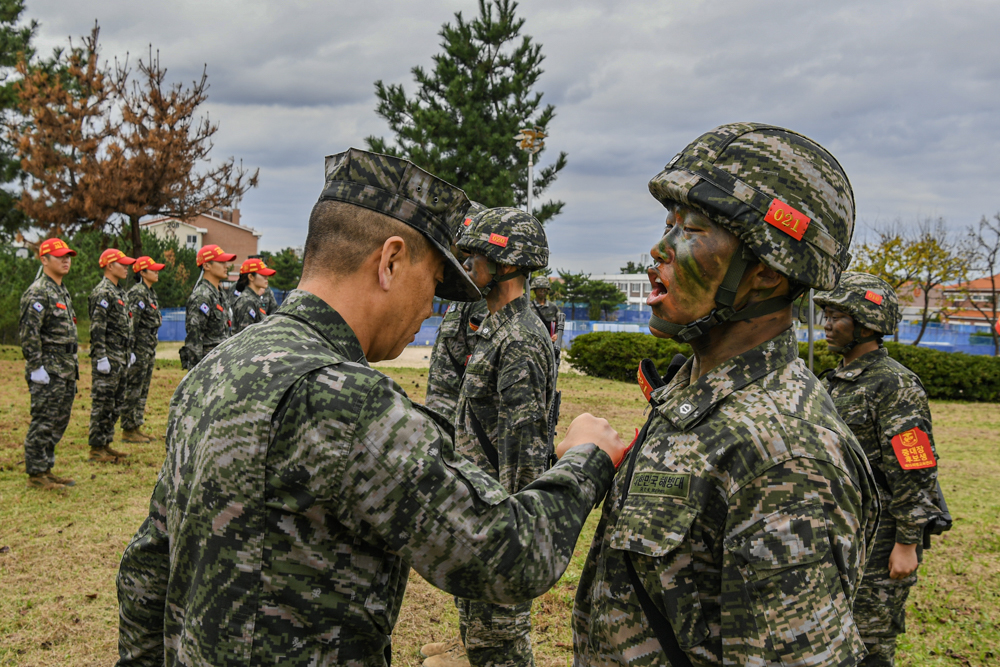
x: 68, y: 348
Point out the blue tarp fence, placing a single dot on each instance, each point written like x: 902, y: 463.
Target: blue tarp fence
x: 945, y: 337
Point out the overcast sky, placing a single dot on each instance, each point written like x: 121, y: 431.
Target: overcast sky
x: 904, y: 94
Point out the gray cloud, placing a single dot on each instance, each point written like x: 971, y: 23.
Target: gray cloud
x: 903, y: 93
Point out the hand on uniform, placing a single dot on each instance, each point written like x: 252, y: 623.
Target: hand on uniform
x: 103, y: 366
x: 588, y: 428
x: 554, y: 336
x: 40, y: 375
x: 903, y: 561
x: 131, y: 360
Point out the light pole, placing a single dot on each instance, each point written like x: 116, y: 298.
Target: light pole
x: 530, y: 140
x: 810, y: 305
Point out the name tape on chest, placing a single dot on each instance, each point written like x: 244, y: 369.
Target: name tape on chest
x: 37, y: 306
x: 660, y: 484
x: 219, y: 306
x: 913, y: 450
x: 120, y: 302
x: 203, y: 308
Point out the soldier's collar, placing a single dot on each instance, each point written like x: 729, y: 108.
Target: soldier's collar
x: 686, y: 403
x: 856, y: 368
x: 313, y: 311
x: 496, y: 320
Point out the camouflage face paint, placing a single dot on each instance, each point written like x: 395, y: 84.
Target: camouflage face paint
x: 839, y: 328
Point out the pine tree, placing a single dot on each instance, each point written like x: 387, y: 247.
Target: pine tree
x: 461, y: 122
x: 15, y: 44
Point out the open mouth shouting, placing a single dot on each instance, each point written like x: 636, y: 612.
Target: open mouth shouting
x: 659, y: 286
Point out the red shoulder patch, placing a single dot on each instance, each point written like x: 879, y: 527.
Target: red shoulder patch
x: 219, y: 306
x: 647, y: 389
x: 120, y: 302
x: 61, y: 306
x: 787, y: 219
x: 913, y: 450
x: 873, y: 297
x: 497, y: 239
x: 153, y: 305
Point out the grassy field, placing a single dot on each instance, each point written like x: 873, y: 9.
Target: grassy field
x: 59, y: 552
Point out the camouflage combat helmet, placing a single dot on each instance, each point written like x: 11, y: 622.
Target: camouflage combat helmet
x: 507, y: 236
x: 541, y: 282
x: 870, y: 301
x: 783, y: 195
x: 401, y: 190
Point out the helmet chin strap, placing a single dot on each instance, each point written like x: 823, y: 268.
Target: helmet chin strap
x: 491, y: 266
x: 725, y: 298
x: 858, y: 339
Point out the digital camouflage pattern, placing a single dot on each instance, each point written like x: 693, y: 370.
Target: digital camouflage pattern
x: 879, y: 398
x: 508, y: 388
x: 456, y: 339
x: 111, y: 336
x: 270, y: 303
x: 734, y: 173
x: 247, y: 309
x: 508, y: 236
x: 207, y: 320
x: 554, y: 322
x: 748, y: 518
x: 146, y: 319
x: 299, y: 488
x: 51, y: 407
x: 400, y: 189
x: 869, y: 300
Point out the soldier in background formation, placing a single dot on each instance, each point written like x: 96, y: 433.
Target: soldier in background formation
x: 298, y: 493
x: 552, y: 317
x: 146, y: 323
x: 208, y: 316
x: 47, y: 330
x: 110, y: 353
x: 886, y: 407
x: 737, y: 532
x: 501, y: 421
x: 456, y: 339
x: 249, y: 307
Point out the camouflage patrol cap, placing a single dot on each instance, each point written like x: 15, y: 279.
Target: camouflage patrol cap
x: 507, y: 236
x: 868, y: 299
x: 541, y: 282
x: 401, y: 190
x: 781, y: 193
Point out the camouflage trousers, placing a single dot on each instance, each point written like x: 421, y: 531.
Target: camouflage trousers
x: 51, y: 405
x: 496, y: 635
x: 107, y: 395
x: 881, y: 653
x: 137, y: 379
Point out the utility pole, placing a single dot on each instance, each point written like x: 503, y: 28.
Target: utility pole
x: 811, y: 309
x: 530, y: 140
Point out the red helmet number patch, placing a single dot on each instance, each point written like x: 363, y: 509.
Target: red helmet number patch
x: 873, y: 297
x: 787, y: 219
x: 497, y: 239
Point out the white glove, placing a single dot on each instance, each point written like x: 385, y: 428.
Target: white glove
x: 132, y: 359
x: 103, y: 366
x: 40, y: 375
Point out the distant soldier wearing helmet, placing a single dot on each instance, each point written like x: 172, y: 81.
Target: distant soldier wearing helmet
x: 737, y: 531
x: 552, y: 317
x: 146, y: 320
x: 885, y: 405
x: 503, y: 405
x: 208, y: 314
x: 456, y: 339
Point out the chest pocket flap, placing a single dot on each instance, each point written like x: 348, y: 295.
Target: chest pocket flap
x: 450, y: 327
x: 652, y: 525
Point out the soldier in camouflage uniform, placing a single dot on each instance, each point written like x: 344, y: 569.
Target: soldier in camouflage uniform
x: 501, y: 418
x: 552, y: 317
x: 249, y: 306
x: 111, y: 355
x: 146, y: 322
x: 737, y: 532
x: 208, y: 314
x: 266, y: 297
x: 456, y: 339
x: 886, y: 407
x: 47, y: 331
x: 300, y: 485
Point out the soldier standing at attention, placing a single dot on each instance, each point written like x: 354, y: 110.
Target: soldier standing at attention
x: 501, y: 419
x: 146, y: 323
x: 266, y: 297
x: 207, y: 317
x: 737, y: 532
x: 47, y: 331
x: 249, y: 306
x: 885, y: 405
x: 300, y: 485
x: 552, y: 317
x: 456, y: 339
x: 111, y: 355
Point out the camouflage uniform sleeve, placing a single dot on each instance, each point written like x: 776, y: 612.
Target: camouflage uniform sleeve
x: 902, y: 408
x: 30, y: 328
x: 523, y: 381
x: 142, y: 588
x: 794, y: 554
x: 194, y: 325
x: 401, y: 483
x: 98, y: 324
x: 241, y: 317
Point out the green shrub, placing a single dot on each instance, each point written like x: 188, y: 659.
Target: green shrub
x: 616, y: 355
x: 945, y: 375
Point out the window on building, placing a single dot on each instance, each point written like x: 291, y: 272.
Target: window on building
x: 635, y: 289
x: 192, y: 241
